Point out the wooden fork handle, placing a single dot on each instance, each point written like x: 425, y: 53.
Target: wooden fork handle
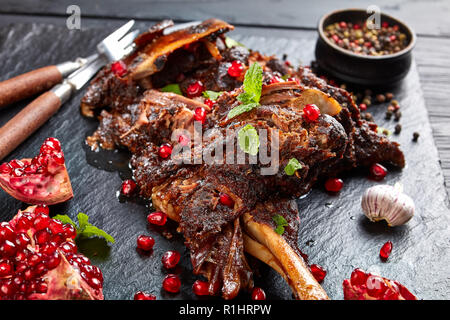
x: 29, y: 84
x: 27, y: 121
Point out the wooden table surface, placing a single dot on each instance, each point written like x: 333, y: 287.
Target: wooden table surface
x: 284, y: 18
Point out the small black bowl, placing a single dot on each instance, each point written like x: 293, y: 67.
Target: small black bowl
x: 361, y: 69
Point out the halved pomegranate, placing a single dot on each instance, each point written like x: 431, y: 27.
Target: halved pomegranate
x: 367, y: 286
x: 41, y: 180
x: 39, y: 260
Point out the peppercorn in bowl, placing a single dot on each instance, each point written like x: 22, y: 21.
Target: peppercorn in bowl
x: 353, y: 48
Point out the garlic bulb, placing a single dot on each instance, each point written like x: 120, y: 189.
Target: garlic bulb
x: 384, y: 202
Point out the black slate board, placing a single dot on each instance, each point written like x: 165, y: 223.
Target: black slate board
x: 334, y: 232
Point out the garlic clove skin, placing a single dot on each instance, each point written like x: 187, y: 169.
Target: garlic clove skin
x: 384, y: 202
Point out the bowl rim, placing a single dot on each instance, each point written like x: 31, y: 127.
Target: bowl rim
x: 404, y: 51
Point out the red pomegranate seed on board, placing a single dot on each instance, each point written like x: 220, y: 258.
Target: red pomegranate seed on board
x: 311, y: 113
x: 172, y: 283
x: 334, y: 185
x: 318, y: 272
x: 200, y: 288
x: 140, y: 295
x: 158, y: 218
x: 145, y: 243
x: 377, y: 172
x: 258, y: 294
x: 128, y: 186
x: 170, y: 259
x: 386, y: 250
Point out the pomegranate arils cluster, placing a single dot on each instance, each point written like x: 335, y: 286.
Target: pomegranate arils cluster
x: 42, y: 179
x: 39, y: 260
x: 367, y: 286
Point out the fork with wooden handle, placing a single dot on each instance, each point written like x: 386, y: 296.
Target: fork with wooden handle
x: 34, y: 115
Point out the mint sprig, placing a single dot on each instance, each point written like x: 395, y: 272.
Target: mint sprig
x: 213, y: 95
x: 281, y: 222
x: 248, y: 139
x: 292, y: 166
x: 84, y: 228
x: 174, y: 87
x: 252, y: 91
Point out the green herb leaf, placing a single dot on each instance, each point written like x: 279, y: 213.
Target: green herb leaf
x: 249, y: 140
x: 93, y: 231
x: 280, y: 222
x: 230, y: 43
x: 252, y: 91
x: 175, y: 88
x: 213, y: 95
x: 84, y: 228
x: 292, y: 166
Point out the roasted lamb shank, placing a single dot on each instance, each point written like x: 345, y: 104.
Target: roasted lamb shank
x: 135, y: 114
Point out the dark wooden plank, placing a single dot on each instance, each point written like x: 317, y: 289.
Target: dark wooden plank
x: 425, y: 17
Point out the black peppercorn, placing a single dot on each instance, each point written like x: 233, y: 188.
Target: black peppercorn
x: 397, y: 115
x: 415, y: 136
x: 398, y: 128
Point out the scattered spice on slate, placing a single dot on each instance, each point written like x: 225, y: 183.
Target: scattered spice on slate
x: 380, y: 98
x: 389, y: 96
x: 358, y: 38
x: 368, y: 116
x: 397, y: 115
x: 388, y: 115
x: 415, y: 136
x: 398, y: 128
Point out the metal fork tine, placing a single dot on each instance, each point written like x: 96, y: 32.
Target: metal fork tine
x: 119, y: 33
x: 128, y: 39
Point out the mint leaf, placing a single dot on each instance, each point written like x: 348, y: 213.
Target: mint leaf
x: 249, y: 140
x: 252, y: 91
x: 279, y: 230
x: 213, y: 95
x: 175, y: 88
x: 230, y: 43
x: 83, y: 221
x: 65, y: 219
x: 92, y: 231
x: 292, y: 166
x: 241, y: 109
x: 253, y: 81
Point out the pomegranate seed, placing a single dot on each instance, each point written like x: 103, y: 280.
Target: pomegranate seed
x: 195, y: 89
x: 43, y: 236
x: 334, y: 185
x: 311, y: 113
x: 377, y: 172
x: 226, y: 200
x: 7, y: 249
x: 318, y: 272
x: 55, y: 226
x: 69, y: 231
x: 22, y: 240
x: 386, y: 250
x: 58, y: 158
x: 235, y: 69
x: 183, y: 140
x: 68, y: 247
x: 145, y: 243
x: 41, y: 221
x: 158, y: 218
x: 24, y: 222
x: 6, y: 269
x: 21, y: 255
x: 6, y: 232
x: 210, y: 103
x: 42, y: 209
x: 358, y: 277
x: 119, y: 68
x: 128, y: 186
x: 375, y: 286
x: 363, y: 107
x: 140, y: 295
x: 42, y: 287
x: 5, y: 168
x: 165, y: 151
x: 7, y: 288
x: 258, y: 294
x: 170, y: 259
x: 48, y: 248
x: 200, y: 115
x: 16, y: 164
x: 95, y: 283
x: 53, y: 260
x: 172, y: 283
x: 200, y: 288
x: 34, y: 259
x: 275, y: 79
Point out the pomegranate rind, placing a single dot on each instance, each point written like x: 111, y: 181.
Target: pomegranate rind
x: 359, y: 291
x: 55, y: 188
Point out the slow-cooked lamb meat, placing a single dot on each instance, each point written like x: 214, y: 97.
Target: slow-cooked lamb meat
x: 136, y: 115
